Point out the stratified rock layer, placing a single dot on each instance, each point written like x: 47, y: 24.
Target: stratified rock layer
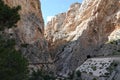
x: 82, y: 32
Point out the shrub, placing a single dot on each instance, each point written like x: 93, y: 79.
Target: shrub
x: 112, y: 66
x: 13, y: 66
x: 118, y: 50
x: 78, y: 73
x: 94, y: 79
x: 8, y: 16
x: 41, y: 75
x: 94, y: 68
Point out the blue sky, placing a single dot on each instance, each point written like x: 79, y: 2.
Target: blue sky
x: 53, y: 7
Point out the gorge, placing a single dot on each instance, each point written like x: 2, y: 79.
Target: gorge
x: 87, y: 30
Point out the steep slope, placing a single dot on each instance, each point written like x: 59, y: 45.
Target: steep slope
x: 30, y: 30
x: 57, y: 30
x: 87, y: 31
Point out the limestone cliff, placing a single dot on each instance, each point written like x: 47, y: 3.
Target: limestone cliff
x: 31, y: 25
x: 87, y: 31
x: 57, y: 30
x: 30, y: 30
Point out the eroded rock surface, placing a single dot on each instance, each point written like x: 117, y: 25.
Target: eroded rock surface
x: 30, y: 30
x: 86, y: 30
x: 61, y: 28
x: 31, y: 25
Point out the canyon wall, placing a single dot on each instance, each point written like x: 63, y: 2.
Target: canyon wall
x: 31, y: 25
x: 57, y: 30
x: 85, y: 30
x: 30, y: 31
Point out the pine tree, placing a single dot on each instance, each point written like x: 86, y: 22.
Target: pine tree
x: 13, y: 66
x: 8, y: 16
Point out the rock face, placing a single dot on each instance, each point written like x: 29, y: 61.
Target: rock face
x: 30, y: 30
x: 58, y: 29
x: 31, y: 25
x: 62, y: 23
x: 84, y: 31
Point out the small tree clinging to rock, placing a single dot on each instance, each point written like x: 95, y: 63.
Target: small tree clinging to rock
x: 8, y: 16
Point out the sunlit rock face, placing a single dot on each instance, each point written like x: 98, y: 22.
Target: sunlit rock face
x: 61, y: 28
x: 83, y: 30
x: 31, y: 25
x: 62, y: 24
x: 30, y: 30
x: 86, y: 29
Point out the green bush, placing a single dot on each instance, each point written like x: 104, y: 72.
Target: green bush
x: 13, y: 66
x: 8, y: 16
x: 94, y: 79
x: 78, y: 73
x: 42, y: 75
x: 94, y: 68
x: 112, y: 66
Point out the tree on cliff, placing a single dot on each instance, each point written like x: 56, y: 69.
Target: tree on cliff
x: 13, y: 66
x: 8, y: 16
